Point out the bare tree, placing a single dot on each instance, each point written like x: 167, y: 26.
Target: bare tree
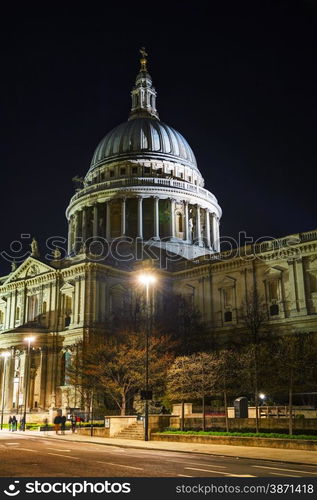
x: 192, y: 377
x: 254, y: 315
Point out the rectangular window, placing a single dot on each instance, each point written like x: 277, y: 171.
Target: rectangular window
x: 159, y: 170
x: 134, y: 170
x: 111, y: 173
x: 122, y: 171
x: 181, y: 175
x: 147, y: 170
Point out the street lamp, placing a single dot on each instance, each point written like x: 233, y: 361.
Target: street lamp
x: 147, y: 279
x: 29, y: 341
x: 5, y: 356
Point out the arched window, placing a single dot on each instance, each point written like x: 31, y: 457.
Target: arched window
x: 179, y: 219
x: 65, y: 368
x: 274, y: 310
x: 228, y: 316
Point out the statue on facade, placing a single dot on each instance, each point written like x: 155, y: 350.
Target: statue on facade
x: 13, y: 266
x: 35, y: 248
x: 57, y: 254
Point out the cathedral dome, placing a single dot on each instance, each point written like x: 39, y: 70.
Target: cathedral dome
x: 146, y: 138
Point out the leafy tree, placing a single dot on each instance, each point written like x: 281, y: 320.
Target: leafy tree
x: 116, y: 365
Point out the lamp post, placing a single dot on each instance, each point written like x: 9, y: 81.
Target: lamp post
x: 5, y: 356
x: 29, y: 341
x: 147, y: 279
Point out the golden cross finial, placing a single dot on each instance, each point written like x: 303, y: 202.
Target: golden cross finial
x: 143, y: 59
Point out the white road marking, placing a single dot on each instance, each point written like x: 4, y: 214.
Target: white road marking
x: 28, y: 449
x: 278, y: 474
x: 119, y: 465
x: 206, y: 465
x: 287, y: 470
x: 64, y: 456
x: 220, y: 472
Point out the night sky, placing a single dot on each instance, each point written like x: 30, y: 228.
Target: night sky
x: 239, y: 84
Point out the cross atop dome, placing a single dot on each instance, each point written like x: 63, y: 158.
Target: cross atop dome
x: 143, y: 60
x: 143, y: 93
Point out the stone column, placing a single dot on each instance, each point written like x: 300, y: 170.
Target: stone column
x: 75, y: 233
x: 187, y: 236
x: 95, y: 221
x: 208, y: 227
x: 108, y: 221
x: 84, y: 226
x: 8, y: 312
x: 123, y: 216
x: 218, y: 235
x: 156, y: 218
x: 299, y: 278
x: 140, y: 217
x: 172, y: 228
x: 198, y: 227
x: 214, y: 231
x: 293, y: 293
x: 70, y: 224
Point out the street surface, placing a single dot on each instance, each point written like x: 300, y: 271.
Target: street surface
x: 27, y: 456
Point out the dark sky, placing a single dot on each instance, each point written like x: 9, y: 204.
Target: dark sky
x: 239, y: 82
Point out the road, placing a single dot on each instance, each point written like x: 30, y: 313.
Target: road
x: 27, y: 456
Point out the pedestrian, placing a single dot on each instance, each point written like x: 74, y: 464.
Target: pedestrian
x: 10, y: 423
x: 45, y: 426
x: 14, y: 423
x: 57, y: 423
x: 63, y: 424
x: 22, y: 424
x: 73, y: 421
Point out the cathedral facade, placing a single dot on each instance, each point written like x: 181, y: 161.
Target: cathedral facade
x: 142, y: 204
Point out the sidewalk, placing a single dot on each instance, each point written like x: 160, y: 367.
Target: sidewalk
x: 274, y: 454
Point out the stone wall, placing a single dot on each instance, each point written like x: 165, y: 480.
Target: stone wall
x: 240, y: 424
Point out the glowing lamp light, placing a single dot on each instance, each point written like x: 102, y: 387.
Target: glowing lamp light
x: 262, y: 396
x: 147, y: 279
x: 5, y: 354
x: 29, y: 339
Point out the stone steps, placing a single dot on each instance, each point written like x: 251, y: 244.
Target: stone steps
x: 133, y: 431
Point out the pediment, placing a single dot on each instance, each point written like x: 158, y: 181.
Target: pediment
x: 313, y: 264
x: 67, y: 289
x: 274, y: 272
x: 29, y: 268
x: 228, y: 282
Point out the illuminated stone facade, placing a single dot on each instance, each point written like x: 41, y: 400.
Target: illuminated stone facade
x: 143, y: 190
